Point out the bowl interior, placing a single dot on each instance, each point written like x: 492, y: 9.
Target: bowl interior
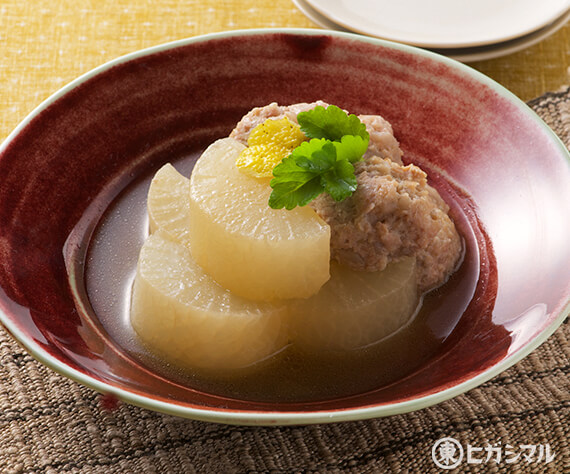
x: 504, y: 172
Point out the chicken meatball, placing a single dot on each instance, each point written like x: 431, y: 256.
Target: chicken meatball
x: 393, y: 213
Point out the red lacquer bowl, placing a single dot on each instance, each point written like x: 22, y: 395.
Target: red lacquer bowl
x: 70, y: 161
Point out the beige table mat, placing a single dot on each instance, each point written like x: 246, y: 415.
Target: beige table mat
x: 517, y: 422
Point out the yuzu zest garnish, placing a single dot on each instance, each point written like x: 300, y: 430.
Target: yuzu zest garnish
x: 268, y: 143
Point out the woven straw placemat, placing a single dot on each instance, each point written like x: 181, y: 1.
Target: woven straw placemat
x: 517, y: 422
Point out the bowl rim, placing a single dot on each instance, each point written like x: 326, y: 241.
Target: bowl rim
x: 268, y: 418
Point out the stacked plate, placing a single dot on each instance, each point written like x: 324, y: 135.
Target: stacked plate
x: 466, y: 30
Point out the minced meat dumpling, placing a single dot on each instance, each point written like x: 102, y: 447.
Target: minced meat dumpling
x: 393, y: 213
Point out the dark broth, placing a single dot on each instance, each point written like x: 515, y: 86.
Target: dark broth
x: 291, y: 375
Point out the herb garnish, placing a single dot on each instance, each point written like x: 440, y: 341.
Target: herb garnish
x: 325, y: 163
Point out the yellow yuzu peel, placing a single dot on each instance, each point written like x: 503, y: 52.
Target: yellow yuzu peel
x: 268, y: 143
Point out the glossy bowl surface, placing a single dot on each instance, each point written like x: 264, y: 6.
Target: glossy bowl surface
x: 68, y: 162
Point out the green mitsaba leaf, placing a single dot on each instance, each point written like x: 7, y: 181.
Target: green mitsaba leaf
x: 351, y: 148
x: 341, y: 181
x: 314, y: 167
x: 290, y: 194
x: 297, y: 179
x: 331, y: 123
x: 323, y: 164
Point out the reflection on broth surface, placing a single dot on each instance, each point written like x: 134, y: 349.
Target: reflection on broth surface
x: 293, y: 374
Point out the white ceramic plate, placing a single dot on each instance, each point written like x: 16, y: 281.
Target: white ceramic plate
x: 506, y: 47
x: 442, y: 23
x: 316, y: 17
x: 479, y: 53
